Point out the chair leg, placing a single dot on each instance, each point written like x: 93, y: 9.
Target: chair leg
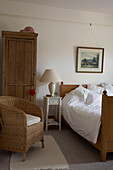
x: 24, y: 155
x: 42, y: 143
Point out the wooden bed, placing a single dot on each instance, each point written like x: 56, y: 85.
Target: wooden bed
x: 105, y: 139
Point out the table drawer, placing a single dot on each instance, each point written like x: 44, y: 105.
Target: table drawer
x: 54, y: 101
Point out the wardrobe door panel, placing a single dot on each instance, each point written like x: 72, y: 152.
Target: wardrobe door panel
x: 28, y: 74
x: 19, y: 91
x: 19, y: 64
x: 10, y: 61
x: 26, y: 94
x: 11, y: 91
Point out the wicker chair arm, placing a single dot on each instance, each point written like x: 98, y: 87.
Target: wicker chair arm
x: 30, y: 108
x: 38, y: 113
x: 1, y: 124
x: 13, y: 120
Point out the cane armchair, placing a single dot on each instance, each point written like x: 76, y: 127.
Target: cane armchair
x: 15, y: 134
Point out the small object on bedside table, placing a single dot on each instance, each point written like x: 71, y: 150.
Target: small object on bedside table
x: 56, y: 120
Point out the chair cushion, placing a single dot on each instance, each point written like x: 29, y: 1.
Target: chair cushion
x: 32, y: 119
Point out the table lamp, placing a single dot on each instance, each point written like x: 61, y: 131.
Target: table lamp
x: 50, y: 75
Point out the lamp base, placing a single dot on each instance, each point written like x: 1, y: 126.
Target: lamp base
x: 52, y: 88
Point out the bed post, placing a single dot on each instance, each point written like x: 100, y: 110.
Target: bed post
x: 103, y: 148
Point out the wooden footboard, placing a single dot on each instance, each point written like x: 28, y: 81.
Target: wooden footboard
x: 105, y: 138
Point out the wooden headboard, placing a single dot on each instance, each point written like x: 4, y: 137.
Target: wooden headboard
x: 68, y: 87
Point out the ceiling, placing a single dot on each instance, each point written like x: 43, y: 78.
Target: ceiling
x: 100, y: 6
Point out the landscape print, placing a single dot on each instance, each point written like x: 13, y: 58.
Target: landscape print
x: 89, y: 59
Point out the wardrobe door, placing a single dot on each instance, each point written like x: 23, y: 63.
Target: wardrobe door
x: 19, y: 64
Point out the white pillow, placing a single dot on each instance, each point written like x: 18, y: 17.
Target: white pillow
x: 80, y: 92
x: 108, y: 87
x: 95, y: 88
x: 93, y: 97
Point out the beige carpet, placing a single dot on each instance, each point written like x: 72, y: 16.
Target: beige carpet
x: 37, y: 158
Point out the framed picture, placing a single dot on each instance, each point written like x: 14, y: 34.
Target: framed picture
x: 89, y: 60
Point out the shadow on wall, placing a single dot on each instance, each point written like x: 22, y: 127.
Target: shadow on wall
x: 1, y: 54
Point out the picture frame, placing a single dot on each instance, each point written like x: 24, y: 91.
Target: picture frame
x: 89, y: 60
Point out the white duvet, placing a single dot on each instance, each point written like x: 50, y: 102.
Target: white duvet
x: 82, y: 111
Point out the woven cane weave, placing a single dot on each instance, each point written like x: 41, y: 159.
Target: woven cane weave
x: 15, y: 135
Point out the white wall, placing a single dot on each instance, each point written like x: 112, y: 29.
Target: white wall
x: 60, y: 32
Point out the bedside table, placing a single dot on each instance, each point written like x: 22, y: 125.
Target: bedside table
x: 56, y: 100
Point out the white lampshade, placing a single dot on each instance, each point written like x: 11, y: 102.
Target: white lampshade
x: 50, y: 75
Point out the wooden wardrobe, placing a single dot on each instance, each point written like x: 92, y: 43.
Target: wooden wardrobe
x: 19, y: 64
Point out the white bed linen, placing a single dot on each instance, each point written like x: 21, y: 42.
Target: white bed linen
x: 83, y: 117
